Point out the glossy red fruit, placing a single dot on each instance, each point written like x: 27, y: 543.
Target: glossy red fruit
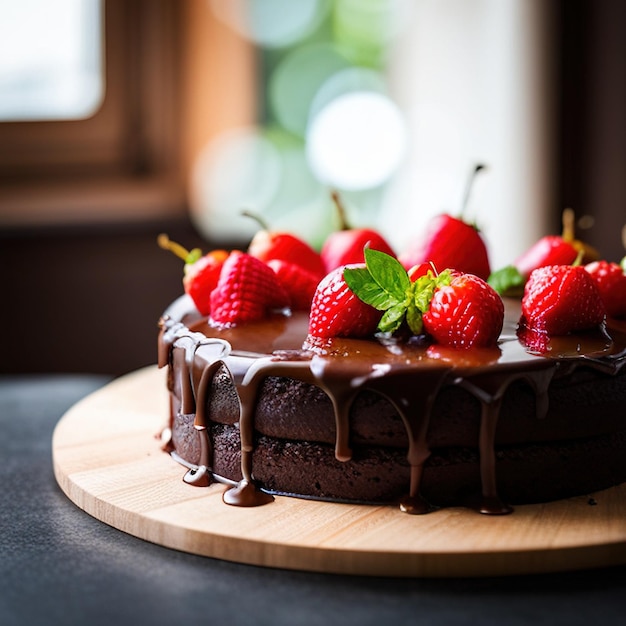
x: 246, y: 291
x: 417, y: 271
x: 299, y: 283
x: 269, y: 245
x: 559, y: 299
x: 201, y: 273
x: 466, y: 313
x: 345, y: 246
x: 337, y: 312
x: 611, y: 282
x: 549, y: 250
x: 450, y: 243
x: 201, y: 278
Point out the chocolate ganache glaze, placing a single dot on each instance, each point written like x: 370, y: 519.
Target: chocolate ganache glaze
x: 393, y: 420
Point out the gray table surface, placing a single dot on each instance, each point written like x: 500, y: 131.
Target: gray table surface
x: 58, y: 565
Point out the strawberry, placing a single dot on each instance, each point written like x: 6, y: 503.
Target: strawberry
x: 549, y: 250
x: 246, y: 291
x: 559, y: 299
x: 268, y: 245
x: 201, y: 273
x: 561, y: 249
x: 449, y: 242
x: 298, y: 282
x: 611, y: 282
x: 345, y: 246
x: 466, y: 313
x: 337, y: 312
x: 457, y: 310
x: 418, y: 271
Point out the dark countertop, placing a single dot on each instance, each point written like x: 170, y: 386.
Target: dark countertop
x: 58, y: 565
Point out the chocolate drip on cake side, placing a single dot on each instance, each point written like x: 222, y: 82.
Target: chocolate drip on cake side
x: 410, y: 386
x: 490, y: 390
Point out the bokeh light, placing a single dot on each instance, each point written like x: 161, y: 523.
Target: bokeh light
x: 240, y: 170
x: 357, y: 141
x: 272, y: 23
x: 325, y: 120
x: 297, y: 79
x: 365, y: 28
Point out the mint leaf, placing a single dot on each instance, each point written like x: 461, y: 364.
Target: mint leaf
x: 361, y: 283
x: 507, y: 281
x: 384, y: 284
x: 388, y: 272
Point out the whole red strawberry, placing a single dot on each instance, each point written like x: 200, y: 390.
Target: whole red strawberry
x: 561, y: 249
x: 450, y: 243
x: 201, y: 278
x: 299, y: 283
x: 337, y: 312
x: 268, y: 245
x: 465, y: 313
x: 549, y: 250
x: 201, y: 273
x: 246, y: 291
x: 611, y: 282
x: 559, y: 299
x: 345, y: 246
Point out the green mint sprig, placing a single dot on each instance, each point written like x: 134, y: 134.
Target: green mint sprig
x: 384, y: 284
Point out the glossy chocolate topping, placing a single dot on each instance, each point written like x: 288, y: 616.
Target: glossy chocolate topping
x: 409, y: 373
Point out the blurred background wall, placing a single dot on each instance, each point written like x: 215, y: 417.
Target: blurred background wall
x: 194, y: 110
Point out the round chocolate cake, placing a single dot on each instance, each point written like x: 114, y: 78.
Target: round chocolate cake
x: 393, y: 421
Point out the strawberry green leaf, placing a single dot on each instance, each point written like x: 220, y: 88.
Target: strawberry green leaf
x: 507, y: 280
x: 414, y: 319
x: 425, y: 286
x: 392, y: 319
x: 193, y: 256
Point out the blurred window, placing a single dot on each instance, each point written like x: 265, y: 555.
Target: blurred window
x: 50, y: 59
x: 88, y: 110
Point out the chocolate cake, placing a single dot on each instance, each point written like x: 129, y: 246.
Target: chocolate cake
x: 393, y: 421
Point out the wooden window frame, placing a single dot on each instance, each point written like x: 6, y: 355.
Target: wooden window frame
x: 123, y: 162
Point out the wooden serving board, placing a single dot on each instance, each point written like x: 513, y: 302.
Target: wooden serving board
x: 108, y: 461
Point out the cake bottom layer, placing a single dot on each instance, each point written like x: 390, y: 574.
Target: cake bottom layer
x: 525, y: 474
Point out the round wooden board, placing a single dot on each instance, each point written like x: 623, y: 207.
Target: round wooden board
x: 109, y: 462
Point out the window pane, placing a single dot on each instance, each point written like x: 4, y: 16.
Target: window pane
x: 50, y: 59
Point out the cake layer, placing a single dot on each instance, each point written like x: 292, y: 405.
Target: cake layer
x: 528, y: 473
x: 291, y: 409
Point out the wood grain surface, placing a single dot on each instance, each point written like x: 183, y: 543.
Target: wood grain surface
x: 108, y: 461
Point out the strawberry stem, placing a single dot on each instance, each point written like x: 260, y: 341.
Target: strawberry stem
x: 257, y: 218
x: 479, y: 167
x: 569, y: 228
x: 182, y: 253
x: 579, y: 258
x: 341, y: 211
